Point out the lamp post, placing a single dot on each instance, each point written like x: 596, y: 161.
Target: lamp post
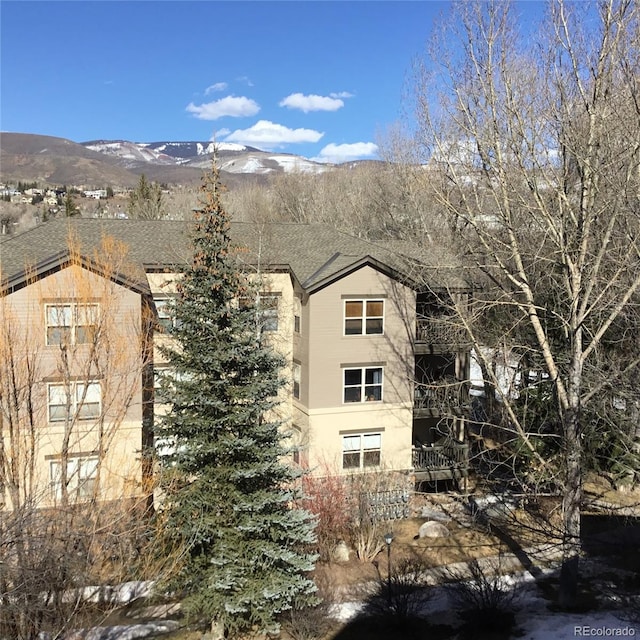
x: 388, y: 538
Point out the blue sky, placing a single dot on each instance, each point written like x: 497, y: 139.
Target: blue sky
x: 319, y: 79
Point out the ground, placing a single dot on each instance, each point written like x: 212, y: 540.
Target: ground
x: 512, y: 541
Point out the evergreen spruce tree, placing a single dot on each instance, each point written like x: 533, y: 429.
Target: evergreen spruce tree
x: 70, y: 207
x: 228, y: 495
x: 146, y: 201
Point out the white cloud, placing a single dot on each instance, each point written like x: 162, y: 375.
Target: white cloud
x: 245, y: 80
x: 219, y: 133
x: 346, y: 152
x: 341, y: 94
x: 232, y: 106
x: 269, y: 135
x: 311, y: 102
x: 218, y: 86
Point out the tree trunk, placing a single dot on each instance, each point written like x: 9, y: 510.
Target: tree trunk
x: 572, y: 499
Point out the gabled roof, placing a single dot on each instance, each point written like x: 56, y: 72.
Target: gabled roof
x: 315, y: 254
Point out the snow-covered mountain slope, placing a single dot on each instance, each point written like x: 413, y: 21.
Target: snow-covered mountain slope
x: 130, y: 152
x: 234, y: 158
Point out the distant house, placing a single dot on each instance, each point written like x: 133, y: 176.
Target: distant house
x: 377, y: 376
x: 96, y: 194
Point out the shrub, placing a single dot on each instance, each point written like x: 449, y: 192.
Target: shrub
x: 402, y: 594
x: 487, y: 600
x: 346, y: 510
x: 312, y: 622
x: 327, y: 498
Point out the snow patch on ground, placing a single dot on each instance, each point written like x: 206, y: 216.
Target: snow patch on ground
x: 292, y: 164
x: 534, y: 620
x: 119, y: 632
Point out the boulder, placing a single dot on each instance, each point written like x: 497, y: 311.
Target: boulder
x: 432, y: 529
x: 433, y: 514
x: 341, y: 552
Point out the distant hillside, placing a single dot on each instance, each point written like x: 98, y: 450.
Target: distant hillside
x: 119, y: 163
x: 45, y: 159
x: 233, y: 158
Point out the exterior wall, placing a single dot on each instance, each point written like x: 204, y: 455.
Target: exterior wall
x: 162, y: 285
x: 330, y: 352
x: 113, y: 358
x: 281, y: 341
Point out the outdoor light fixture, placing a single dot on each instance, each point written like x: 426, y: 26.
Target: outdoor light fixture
x: 388, y: 538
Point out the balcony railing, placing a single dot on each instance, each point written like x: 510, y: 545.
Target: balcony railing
x: 444, y: 396
x: 453, y: 457
x: 440, y: 331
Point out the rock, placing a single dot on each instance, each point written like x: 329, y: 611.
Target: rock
x: 433, y: 514
x: 491, y: 507
x: 341, y: 552
x: 432, y: 529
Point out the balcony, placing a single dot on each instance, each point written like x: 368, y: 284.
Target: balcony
x: 437, y: 334
x: 441, y: 462
x: 447, y: 396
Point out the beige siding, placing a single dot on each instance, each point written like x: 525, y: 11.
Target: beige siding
x: 327, y: 428
x: 278, y: 284
x: 330, y: 351
x: 115, y: 362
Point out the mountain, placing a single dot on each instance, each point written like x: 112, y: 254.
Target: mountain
x: 119, y: 163
x: 233, y: 158
x: 57, y: 161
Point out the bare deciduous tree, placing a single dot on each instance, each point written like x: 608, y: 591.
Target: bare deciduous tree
x: 534, y: 154
x: 72, y: 507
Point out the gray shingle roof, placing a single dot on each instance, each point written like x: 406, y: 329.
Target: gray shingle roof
x: 315, y: 253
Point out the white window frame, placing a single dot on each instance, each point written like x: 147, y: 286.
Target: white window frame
x: 366, y: 389
x: 361, y: 450
x: 269, y: 313
x: 75, y: 397
x: 297, y: 377
x: 363, y: 318
x: 82, y: 475
x: 73, y: 321
x: 166, y: 319
x: 296, y: 444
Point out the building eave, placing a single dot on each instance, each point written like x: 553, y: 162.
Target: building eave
x: 61, y: 260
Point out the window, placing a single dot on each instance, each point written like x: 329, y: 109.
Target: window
x: 363, y: 317
x: 160, y: 374
x: 295, y: 448
x: 296, y: 323
x: 79, y: 400
x: 166, y: 316
x: 363, y: 384
x: 361, y: 450
x: 268, y: 313
x: 266, y: 306
x: 297, y: 374
x: 71, y: 323
x: 82, y: 474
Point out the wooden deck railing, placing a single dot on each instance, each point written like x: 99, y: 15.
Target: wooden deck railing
x: 441, y: 457
x: 442, y: 331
